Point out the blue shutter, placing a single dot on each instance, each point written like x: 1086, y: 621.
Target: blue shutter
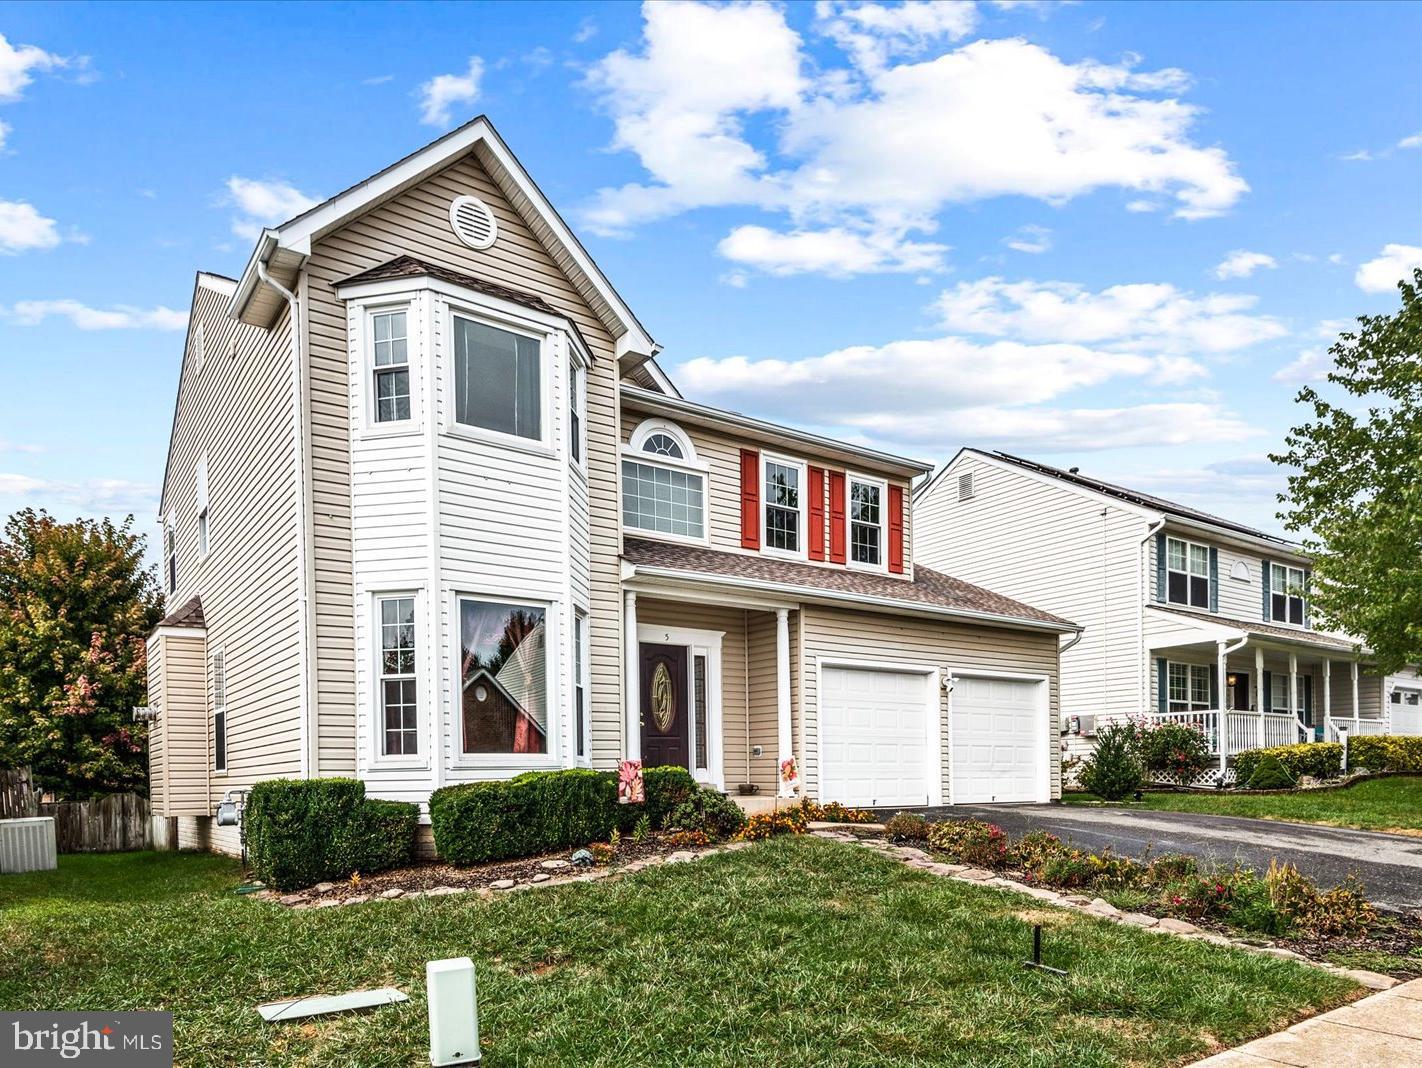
x: 1160, y: 567
x: 1264, y: 582
x: 1268, y: 692
x: 1215, y: 682
x: 1162, y: 685
x: 1308, y: 699
x: 1214, y: 581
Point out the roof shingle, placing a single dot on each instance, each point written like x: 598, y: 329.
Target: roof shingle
x: 927, y: 588
x: 188, y: 615
x: 1264, y: 630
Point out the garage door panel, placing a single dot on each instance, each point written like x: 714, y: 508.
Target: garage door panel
x: 874, y: 727
x: 999, y: 741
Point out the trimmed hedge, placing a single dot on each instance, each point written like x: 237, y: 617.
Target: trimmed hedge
x: 303, y: 831
x: 1385, y: 752
x: 546, y: 811
x: 1322, y: 760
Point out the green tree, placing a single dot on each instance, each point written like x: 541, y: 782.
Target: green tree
x: 76, y: 604
x: 1356, y: 499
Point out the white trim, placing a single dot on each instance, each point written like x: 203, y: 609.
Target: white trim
x: 377, y: 758
x: 179, y: 632
x: 801, y: 550
x: 661, y: 378
x: 544, y: 444
x: 882, y: 567
x: 459, y: 760
x: 1210, y: 594
x: 637, y: 441
x: 364, y: 343
x: 214, y: 657
x: 203, y: 513
x: 933, y: 705
x: 581, y: 650
x: 705, y: 643
x: 1044, y: 703
x: 650, y: 460
x: 460, y: 201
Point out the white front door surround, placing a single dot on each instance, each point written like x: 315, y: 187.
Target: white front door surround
x: 999, y: 737
x: 698, y: 643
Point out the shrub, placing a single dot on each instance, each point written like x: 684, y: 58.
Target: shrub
x: 536, y: 812
x: 1270, y: 774
x: 603, y: 853
x: 666, y: 788
x: 688, y: 839
x: 1386, y: 752
x: 1076, y: 870
x: 1344, y: 910
x: 1034, y: 849
x: 1321, y: 760
x: 303, y: 831
x: 972, y: 841
x: 834, y: 812
x: 1113, y: 771
x: 709, y: 812
x: 906, y: 827
x: 769, y: 824
x: 1198, y: 897
x: 1175, y: 751
x: 1170, y: 868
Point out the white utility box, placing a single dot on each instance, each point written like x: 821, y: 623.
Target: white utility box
x: 28, y: 845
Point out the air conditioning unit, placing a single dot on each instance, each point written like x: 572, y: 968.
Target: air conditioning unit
x: 27, y: 845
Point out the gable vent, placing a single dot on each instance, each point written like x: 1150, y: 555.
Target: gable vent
x: 965, y: 486
x: 472, y: 222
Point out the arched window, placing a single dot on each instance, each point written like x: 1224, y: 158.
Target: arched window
x: 663, y: 439
x: 663, y: 487
x: 663, y: 444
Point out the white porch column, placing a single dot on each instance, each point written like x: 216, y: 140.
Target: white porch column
x: 1327, y: 699
x: 1355, y: 693
x: 1294, y: 685
x: 784, y: 743
x: 632, y: 697
x: 1221, y: 680
x: 1259, y: 691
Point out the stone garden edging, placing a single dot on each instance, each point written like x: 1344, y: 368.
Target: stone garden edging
x: 917, y: 858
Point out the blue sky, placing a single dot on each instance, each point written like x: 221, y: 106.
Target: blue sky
x: 1117, y: 236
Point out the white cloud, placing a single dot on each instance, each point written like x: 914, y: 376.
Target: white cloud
x: 23, y: 228
x: 1391, y: 266
x: 377, y: 79
x: 1311, y: 365
x: 18, y: 66
x: 884, y: 144
x: 1242, y: 264
x: 118, y: 317
x: 1030, y: 239
x: 837, y: 252
x: 872, y: 34
x: 440, y: 94
x: 1361, y: 155
x: 264, y: 203
x: 1411, y: 141
x: 96, y: 496
x: 586, y: 31
x: 1146, y: 317
x: 11, y: 446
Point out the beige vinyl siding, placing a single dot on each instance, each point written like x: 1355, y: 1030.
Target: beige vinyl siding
x: 238, y: 412
x: 1056, y: 549
x: 846, y: 635
x: 1240, y: 599
x: 184, y: 726
x: 1370, y: 692
x: 416, y: 223
x: 722, y: 453
x: 157, y: 749
x: 762, y: 714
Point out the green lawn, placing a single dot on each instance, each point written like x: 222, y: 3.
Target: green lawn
x: 1388, y: 804
x: 793, y: 952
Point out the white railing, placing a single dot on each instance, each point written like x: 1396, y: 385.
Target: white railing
x: 1355, y: 727
x: 1242, y: 730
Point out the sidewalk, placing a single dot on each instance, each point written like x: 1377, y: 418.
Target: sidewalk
x: 1385, y: 1029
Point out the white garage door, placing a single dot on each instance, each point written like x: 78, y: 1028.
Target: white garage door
x: 998, y: 740
x: 874, y: 737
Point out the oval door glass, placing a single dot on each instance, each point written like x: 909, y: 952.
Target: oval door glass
x: 663, y: 698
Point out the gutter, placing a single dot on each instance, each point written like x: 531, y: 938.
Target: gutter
x: 1143, y: 674
x: 307, y: 733
x: 817, y: 595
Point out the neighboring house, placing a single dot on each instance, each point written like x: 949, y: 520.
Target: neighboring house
x: 1185, y: 614
x: 433, y: 514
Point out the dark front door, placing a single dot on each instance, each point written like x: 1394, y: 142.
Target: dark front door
x: 665, y: 730
x: 1240, y: 691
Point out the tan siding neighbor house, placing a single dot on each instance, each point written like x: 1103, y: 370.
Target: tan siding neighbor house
x: 429, y: 493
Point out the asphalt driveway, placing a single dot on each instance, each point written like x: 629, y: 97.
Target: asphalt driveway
x: 1390, y: 865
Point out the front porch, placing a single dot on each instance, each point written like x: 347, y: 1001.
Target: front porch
x: 1247, y: 688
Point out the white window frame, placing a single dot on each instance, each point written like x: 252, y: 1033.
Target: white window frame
x: 1187, y: 603
x: 690, y: 464
x: 369, y: 313
x: 170, y: 558
x: 547, y: 342
x: 582, y: 685
x: 1283, y: 591
x: 218, y: 667
x: 882, y: 486
x: 577, y: 379
x: 1191, y: 672
x: 204, y: 509
x: 378, y: 756
x: 801, y: 551
x: 464, y: 761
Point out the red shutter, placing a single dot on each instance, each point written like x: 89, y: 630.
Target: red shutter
x: 836, y: 480
x: 816, y: 532
x: 750, y: 499
x: 896, y: 529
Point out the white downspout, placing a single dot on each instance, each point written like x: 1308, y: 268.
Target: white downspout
x: 307, y: 734
x: 1143, y: 704
x: 1222, y: 651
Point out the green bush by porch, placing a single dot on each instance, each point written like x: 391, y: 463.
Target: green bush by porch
x: 302, y: 831
x: 1324, y: 760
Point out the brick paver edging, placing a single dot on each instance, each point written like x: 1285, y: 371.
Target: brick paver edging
x: 1098, y: 907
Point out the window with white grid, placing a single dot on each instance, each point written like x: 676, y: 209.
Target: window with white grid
x: 398, y: 690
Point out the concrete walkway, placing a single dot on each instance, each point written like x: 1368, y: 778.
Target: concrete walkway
x: 1385, y: 1029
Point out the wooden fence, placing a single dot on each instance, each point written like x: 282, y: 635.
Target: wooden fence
x: 112, y: 824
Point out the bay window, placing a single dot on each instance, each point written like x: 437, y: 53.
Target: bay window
x: 390, y: 357
x: 398, y: 691
x: 497, y: 379
x: 581, y: 710
x: 503, y: 673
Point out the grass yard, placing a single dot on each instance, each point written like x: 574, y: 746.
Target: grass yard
x: 793, y: 952
x: 1392, y: 804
